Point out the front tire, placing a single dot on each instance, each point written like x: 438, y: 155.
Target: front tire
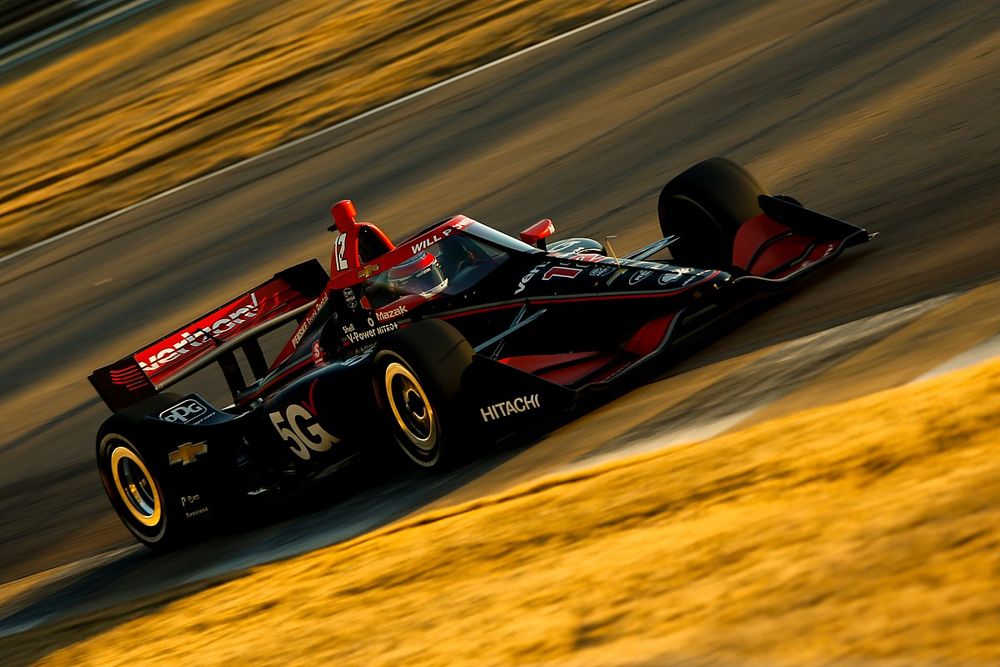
x: 705, y: 206
x: 413, y: 420
x: 417, y: 381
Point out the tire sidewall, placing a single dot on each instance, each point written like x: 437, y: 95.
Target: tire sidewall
x: 724, y: 193
x: 118, y: 438
x: 438, y: 355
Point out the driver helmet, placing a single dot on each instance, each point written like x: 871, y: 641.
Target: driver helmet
x: 421, y: 274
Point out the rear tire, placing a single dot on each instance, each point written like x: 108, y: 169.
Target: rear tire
x: 705, y: 206
x: 417, y: 381
x: 138, y: 493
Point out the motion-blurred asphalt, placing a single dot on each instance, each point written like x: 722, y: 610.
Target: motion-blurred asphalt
x: 883, y: 113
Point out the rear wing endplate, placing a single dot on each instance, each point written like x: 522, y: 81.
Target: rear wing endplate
x: 213, y: 337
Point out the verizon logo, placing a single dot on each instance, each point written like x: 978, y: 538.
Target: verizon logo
x: 191, y: 340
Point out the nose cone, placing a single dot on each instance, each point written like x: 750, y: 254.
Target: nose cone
x: 344, y: 215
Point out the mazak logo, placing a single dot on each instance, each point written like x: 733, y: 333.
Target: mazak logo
x: 190, y: 340
x: 508, y: 408
x: 184, y: 412
x: 391, y: 314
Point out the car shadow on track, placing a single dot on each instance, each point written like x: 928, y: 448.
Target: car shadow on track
x: 137, y: 581
x: 351, y: 504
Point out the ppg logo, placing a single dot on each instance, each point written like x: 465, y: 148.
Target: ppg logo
x: 184, y: 411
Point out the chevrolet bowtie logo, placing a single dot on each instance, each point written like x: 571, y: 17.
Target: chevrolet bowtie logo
x: 188, y: 453
x: 368, y: 271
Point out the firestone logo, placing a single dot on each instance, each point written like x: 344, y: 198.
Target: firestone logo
x: 192, y: 340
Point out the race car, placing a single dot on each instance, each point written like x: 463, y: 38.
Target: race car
x: 457, y: 336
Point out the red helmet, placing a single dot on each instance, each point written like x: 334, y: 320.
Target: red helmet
x: 420, y: 275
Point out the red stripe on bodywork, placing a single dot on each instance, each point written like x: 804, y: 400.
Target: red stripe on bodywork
x: 479, y: 311
x: 821, y: 250
x: 570, y: 299
x: 564, y: 369
x: 536, y: 363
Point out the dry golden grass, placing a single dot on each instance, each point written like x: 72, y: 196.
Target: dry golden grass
x: 214, y: 81
x: 867, y: 532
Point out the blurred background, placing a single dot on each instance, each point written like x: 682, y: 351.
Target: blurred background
x: 158, y: 158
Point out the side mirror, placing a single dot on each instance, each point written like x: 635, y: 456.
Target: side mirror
x: 538, y: 232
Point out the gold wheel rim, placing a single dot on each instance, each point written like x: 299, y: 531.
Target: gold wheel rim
x: 410, y: 406
x: 135, y: 486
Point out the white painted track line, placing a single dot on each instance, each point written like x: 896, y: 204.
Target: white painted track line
x: 985, y: 351
x: 86, y: 22
x: 332, y: 128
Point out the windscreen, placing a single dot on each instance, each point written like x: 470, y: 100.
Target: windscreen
x: 450, y: 266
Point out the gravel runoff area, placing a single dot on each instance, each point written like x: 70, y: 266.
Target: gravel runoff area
x: 860, y: 533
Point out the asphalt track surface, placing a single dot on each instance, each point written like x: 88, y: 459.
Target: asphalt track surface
x: 882, y: 113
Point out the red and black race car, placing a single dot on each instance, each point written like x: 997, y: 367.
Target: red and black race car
x: 457, y: 336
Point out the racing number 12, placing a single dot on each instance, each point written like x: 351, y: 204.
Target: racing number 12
x: 304, y: 433
x: 341, y: 246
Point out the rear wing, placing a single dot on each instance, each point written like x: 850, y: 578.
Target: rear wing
x: 213, y: 337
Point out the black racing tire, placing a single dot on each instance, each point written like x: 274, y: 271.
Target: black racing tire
x: 704, y: 206
x: 417, y: 379
x: 138, y: 493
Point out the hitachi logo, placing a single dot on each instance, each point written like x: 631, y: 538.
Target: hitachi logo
x: 190, y: 340
x: 507, y: 408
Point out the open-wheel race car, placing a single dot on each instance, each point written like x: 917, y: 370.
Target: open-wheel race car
x: 425, y: 350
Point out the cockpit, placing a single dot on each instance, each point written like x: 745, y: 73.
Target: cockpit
x: 449, y: 266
